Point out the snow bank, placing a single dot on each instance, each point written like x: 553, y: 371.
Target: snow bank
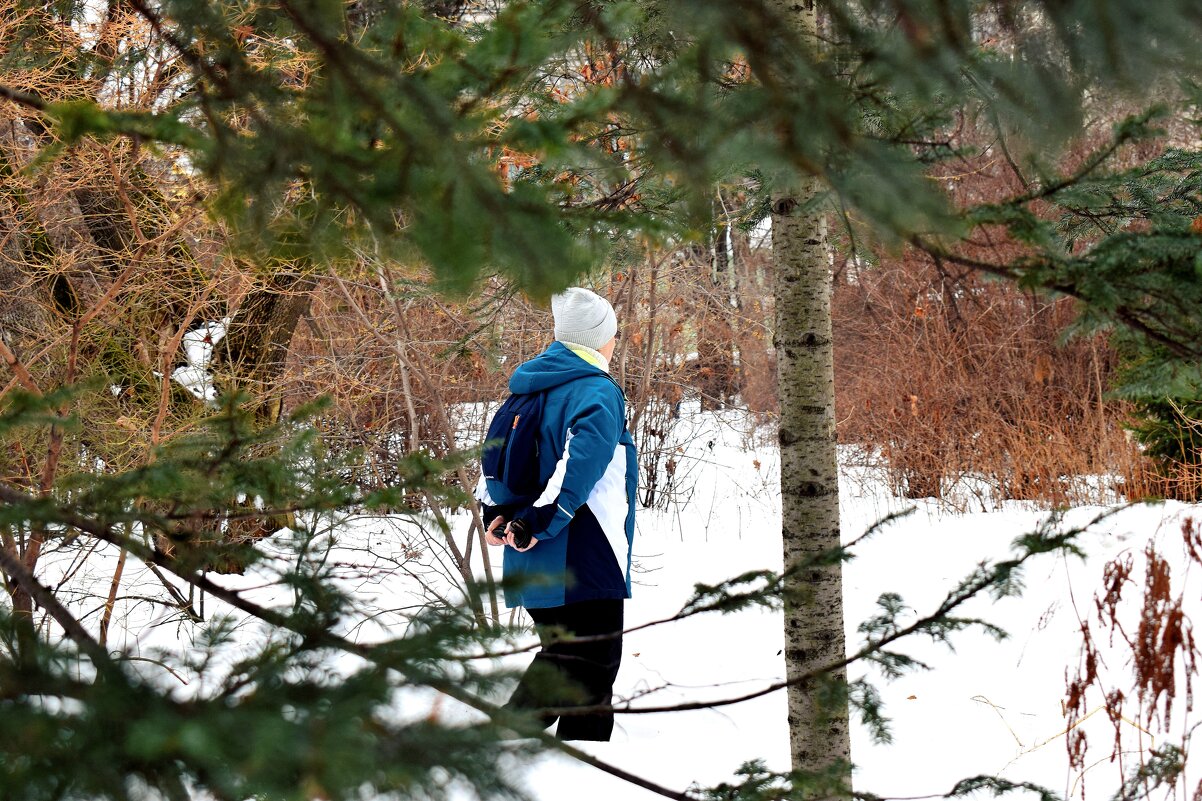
x: 990, y: 707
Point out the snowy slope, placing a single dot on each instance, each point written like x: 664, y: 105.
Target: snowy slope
x: 989, y: 708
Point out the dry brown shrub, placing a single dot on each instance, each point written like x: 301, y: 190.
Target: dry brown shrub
x: 407, y: 369
x: 957, y: 380
x: 397, y: 364
x: 954, y: 377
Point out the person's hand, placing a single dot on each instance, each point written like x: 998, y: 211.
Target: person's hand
x: 490, y: 536
x: 515, y: 532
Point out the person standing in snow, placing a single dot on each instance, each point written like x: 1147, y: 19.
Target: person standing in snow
x: 573, y: 575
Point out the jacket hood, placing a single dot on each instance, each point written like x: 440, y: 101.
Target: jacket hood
x: 554, y: 366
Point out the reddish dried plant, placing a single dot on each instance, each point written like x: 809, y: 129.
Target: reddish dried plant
x: 1163, y: 655
x: 1164, y: 633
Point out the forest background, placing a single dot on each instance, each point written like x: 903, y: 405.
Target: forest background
x: 188, y: 223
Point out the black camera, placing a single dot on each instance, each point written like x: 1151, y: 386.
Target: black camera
x: 521, y: 533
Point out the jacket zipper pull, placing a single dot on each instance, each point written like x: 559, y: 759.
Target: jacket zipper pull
x: 516, y: 417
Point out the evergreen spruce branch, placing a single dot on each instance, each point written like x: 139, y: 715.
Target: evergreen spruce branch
x: 1131, y: 129
x: 879, y: 525
x: 719, y: 602
x: 22, y: 680
x: 497, y: 79
x: 521, y: 251
x: 188, y: 53
x: 220, y: 515
x: 320, y: 636
x: 22, y: 98
x: 75, y: 119
x: 724, y: 597
x: 187, y: 750
x: 1029, y: 272
x: 763, y: 785
x: 729, y: 595
x: 762, y: 588
x: 339, y: 58
x: 999, y: 579
x: 996, y: 786
x: 1164, y: 767
x: 995, y: 120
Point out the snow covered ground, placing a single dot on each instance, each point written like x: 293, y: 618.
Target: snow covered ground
x: 988, y: 708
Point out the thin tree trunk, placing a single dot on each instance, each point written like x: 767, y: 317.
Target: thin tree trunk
x: 818, y: 719
x: 255, y: 348
x: 254, y: 351
x: 110, y: 603
x: 643, y: 398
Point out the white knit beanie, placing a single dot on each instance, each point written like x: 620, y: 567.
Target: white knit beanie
x: 583, y: 318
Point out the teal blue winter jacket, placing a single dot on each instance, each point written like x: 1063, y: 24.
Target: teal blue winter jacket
x: 584, y: 518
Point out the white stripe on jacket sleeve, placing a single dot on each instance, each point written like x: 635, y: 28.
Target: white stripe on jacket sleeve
x: 482, y: 492
x: 610, y: 505
x: 555, y: 482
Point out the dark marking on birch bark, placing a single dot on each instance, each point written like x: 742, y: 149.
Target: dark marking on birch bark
x: 808, y: 340
x: 784, y: 206
x: 812, y: 340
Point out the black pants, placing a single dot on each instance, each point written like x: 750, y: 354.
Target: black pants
x: 567, y: 673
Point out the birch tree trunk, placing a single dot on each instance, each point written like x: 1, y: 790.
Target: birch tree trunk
x: 818, y: 718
